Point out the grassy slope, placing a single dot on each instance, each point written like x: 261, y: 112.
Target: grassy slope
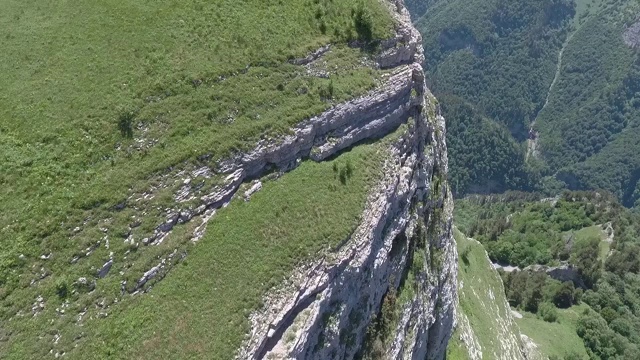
x: 618, y: 276
x: 200, y: 308
x: 193, y: 79
x: 558, y: 338
x: 456, y: 349
x: 487, y: 314
x: 595, y: 232
x: 203, y: 77
x: 482, y: 299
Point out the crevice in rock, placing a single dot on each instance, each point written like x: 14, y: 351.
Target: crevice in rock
x: 273, y: 340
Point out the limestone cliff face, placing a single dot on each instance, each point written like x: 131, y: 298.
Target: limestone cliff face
x: 324, y: 309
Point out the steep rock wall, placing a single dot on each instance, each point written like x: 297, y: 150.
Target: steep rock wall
x: 324, y: 309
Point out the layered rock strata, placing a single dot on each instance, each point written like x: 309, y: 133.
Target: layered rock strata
x: 324, y: 309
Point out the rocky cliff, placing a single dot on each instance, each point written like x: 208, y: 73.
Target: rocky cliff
x: 386, y: 291
x: 325, y: 309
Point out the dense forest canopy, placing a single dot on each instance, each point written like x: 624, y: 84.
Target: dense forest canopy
x: 538, y: 95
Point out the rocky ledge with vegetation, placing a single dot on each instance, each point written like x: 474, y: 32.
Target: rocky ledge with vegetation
x: 296, y: 207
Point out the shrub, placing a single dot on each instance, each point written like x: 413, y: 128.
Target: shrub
x: 548, y: 312
x: 345, y: 173
x: 572, y: 356
x: 328, y: 92
x: 378, y: 349
x: 343, y: 176
x: 609, y: 314
x: 534, y: 293
x: 62, y: 288
x: 349, y: 168
x: 363, y: 23
x: 388, y: 312
x: 564, y: 295
x: 586, y: 259
x: 125, y: 123
x: 577, y: 295
x: 464, y: 254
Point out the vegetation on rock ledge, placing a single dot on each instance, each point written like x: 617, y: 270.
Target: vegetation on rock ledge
x: 104, y: 105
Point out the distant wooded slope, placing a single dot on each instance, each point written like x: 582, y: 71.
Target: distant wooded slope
x: 538, y: 94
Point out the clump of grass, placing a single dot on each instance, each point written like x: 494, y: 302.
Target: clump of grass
x: 343, y: 173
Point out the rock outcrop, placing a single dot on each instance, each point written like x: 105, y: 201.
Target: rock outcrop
x: 631, y: 35
x: 324, y: 309
x: 565, y: 272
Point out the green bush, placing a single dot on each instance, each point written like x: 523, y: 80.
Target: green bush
x: 363, y: 22
x: 572, y: 356
x: 564, y: 295
x: 548, y: 312
x: 586, y: 258
x: 345, y: 173
x: 125, y: 123
x: 62, y: 287
x: 464, y: 254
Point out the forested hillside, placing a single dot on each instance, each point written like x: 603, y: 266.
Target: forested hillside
x: 537, y: 94
x: 584, y: 234
x: 589, y: 130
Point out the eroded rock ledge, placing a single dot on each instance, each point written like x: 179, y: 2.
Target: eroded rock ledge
x: 325, y: 307
x: 381, y: 111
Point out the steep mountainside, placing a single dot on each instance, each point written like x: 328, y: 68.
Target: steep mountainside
x: 491, y: 63
x: 571, y: 261
x: 206, y: 190
x: 538, y: 94
x: 486, y: 328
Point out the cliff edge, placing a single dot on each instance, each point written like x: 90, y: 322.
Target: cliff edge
x: 257, y: 206
x: 390, y: 291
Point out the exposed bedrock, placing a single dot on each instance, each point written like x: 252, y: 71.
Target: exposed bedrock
x: 324, y: 308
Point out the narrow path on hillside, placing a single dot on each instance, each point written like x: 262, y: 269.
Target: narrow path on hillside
x: 532, y: 142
